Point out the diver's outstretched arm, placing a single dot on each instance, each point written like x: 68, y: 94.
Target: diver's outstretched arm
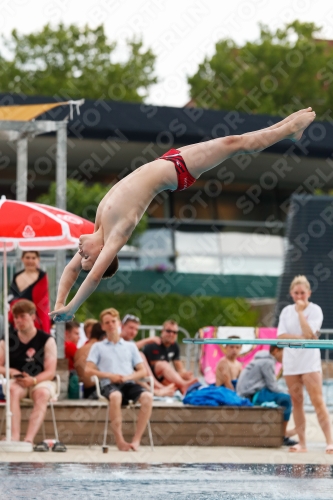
x: 67, y: 280
x: 112, y: 246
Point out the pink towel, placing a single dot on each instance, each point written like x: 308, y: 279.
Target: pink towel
x: 212, y: 353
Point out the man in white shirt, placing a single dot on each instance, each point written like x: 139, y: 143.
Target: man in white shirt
x: 119, y: 366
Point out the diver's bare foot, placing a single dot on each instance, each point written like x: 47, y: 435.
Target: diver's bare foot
x: 168, y: 390
x: 135, y: 445
x: 187, y: 384
x: 293, y: 115
x: 297, y: 448
x: 123, y: 445
x: 329, y: 449
x: 299, y: 124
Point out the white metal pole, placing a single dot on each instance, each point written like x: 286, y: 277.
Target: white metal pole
x: 22, y: 169
x: 5, y: 319
x: 61, y: 202
x: 21, y: 181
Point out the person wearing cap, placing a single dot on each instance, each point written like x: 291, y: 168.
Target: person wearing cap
x: 129, y: 330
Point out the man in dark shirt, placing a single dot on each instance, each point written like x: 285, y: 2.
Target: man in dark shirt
x: 33, y: 362
x: 164, y: 359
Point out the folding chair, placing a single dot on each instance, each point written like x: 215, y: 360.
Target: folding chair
x: 29, y: 402
x: 131, y: 405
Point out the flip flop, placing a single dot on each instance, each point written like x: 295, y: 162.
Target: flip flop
x: 41, y: 447
x: 59, y: 447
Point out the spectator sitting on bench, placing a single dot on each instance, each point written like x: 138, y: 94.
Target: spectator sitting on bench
x: 228, y: 368
x: 119, y: 366
x: 72, y: 336
x: 80, y: 358
x: 258, y: 383
x: 129, y: 330
x: 33, y: 362
x: 160, y: 355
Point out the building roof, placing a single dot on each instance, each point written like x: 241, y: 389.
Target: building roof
x: 164, y: 125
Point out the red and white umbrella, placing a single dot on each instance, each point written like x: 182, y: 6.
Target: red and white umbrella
x: 33, y: 226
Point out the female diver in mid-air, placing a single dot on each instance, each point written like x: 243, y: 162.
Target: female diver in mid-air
x: 123, y: 206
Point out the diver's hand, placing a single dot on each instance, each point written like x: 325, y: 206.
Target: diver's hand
x: 62, y: 314
x: 58, y: 305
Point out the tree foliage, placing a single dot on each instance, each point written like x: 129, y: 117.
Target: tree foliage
x: 72, y: 62
x: 153, y: 309
x: 83, y: 200
x: 279, y: 73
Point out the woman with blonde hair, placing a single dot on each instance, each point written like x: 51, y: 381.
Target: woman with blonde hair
x: 302, y: 367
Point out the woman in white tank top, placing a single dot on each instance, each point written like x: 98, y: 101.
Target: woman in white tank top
x: 302, y: 367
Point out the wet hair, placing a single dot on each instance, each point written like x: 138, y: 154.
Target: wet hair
x: 112, y: 269
x: 273, y: 348
x: 31, y: 251
x: 300, y: 280
x: 23, y: 306
x: 97, y: 332
x: 69, y: 325
x: 112, y: 311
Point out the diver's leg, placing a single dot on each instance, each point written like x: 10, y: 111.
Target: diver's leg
x: 203, y: 156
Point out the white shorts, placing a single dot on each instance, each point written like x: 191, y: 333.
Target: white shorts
x: 300, y: 361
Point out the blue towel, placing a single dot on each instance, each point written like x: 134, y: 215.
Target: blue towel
x: 215, y: 396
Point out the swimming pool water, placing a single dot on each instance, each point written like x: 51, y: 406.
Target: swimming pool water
x: 164, y: 481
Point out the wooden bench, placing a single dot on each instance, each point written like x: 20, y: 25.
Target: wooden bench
x: 81, y: 422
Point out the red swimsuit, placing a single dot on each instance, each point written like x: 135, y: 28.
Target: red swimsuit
x: 185, y: 179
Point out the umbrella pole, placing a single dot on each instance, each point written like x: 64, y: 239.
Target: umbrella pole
x: 8, y: 445
x: 5, y: 319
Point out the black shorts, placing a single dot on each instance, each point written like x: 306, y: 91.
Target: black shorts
x: 130, y: 391
x: 89, y: 391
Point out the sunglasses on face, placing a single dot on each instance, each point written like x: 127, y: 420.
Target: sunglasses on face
x: 171, y: 331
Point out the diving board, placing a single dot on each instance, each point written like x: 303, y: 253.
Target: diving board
x: 294, y: 343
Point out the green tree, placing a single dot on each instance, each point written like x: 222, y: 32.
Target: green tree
x: 279, y: 73
x: 169, y: 306
x: 72, y: 62
x: 83, y: 200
